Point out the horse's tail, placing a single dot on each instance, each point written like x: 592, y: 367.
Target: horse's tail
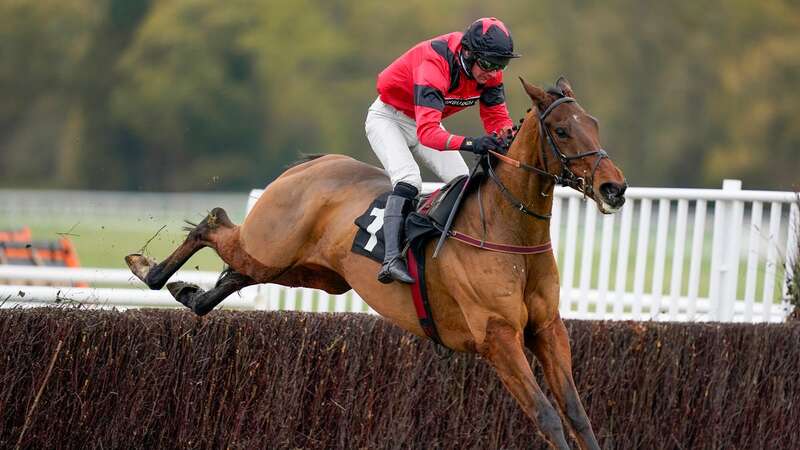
x: 304, y: 158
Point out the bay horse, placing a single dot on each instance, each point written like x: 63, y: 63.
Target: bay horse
x: 300, y: 232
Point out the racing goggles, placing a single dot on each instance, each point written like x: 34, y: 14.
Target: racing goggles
x: 489, y: 66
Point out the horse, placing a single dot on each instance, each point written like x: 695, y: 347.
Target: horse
x: 495, y: 304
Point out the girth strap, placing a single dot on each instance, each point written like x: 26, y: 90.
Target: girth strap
x: 511, y: 198
x: 419, y: 293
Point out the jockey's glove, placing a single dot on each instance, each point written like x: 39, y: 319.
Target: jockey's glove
x: 481, y: 145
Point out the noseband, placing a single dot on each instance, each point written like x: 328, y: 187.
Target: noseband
x: 567, y: 176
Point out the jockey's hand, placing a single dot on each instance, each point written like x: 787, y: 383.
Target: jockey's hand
x: 482, y: 145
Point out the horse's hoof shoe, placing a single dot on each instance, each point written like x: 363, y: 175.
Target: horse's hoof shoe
x: 177, y: 287
x: 140, y: 265
x: 184, y: 292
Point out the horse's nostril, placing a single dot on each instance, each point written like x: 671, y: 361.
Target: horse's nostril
x: 612, y: 190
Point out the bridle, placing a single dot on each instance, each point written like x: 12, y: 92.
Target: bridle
x: 566, y: 178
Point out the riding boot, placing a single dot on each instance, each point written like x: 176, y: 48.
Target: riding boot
x: 394, y: 266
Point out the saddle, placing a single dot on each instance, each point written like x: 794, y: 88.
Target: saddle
x: 429, y: 215
x: 438, y: 204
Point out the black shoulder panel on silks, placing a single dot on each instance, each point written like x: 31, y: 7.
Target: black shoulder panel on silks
x: 442, y: 49
x: 428, y: 97
x: 494, y: 95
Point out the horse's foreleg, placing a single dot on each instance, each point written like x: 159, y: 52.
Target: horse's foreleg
x: 202, y: 302
x: 551, y: 346
x: 154, y: 274
x: 503, y: 349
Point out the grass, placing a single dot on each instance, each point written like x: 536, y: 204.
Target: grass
x: 106, y: 246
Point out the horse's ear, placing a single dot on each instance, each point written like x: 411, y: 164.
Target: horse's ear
x: 563, y: 84
x: 538, y: 95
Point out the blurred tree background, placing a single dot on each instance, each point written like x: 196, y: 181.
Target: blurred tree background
x: 174, y: 95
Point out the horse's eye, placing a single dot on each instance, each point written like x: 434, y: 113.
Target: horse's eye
x: 560, y: 132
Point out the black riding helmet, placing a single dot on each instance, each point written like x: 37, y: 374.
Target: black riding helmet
x: 488, y: 39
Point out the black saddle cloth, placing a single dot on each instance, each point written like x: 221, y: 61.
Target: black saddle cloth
x: 429, y: 216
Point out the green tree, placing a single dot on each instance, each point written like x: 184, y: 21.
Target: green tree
x: 41, y: 44
x: 104, y: 145
x: 189, y: 96
x: 759, y: 98
x: 196, y: 94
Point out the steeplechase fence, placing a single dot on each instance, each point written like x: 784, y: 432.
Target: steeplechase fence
x: 166, y: 379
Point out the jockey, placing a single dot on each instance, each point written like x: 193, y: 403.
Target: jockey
x: 433, y: 80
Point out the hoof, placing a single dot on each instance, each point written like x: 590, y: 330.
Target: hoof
x: 184, y: 292
x: 140, y: 265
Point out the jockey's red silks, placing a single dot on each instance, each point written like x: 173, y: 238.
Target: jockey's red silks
x: 428, y: 83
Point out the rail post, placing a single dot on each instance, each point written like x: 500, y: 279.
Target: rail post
x: 724, y: 276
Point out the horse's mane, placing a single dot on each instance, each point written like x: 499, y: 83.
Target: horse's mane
x: 552, y: 90
x: 304, y: 158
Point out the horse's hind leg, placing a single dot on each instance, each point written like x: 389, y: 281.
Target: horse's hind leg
x: 155, y: 275
x: 503, y: 349
x: 202, y: 302
x: 551, y: 346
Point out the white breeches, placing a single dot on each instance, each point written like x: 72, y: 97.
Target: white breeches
x: 393, y: 137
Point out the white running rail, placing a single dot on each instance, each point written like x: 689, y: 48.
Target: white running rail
x: 22, y: 286
x: 670, y: 254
